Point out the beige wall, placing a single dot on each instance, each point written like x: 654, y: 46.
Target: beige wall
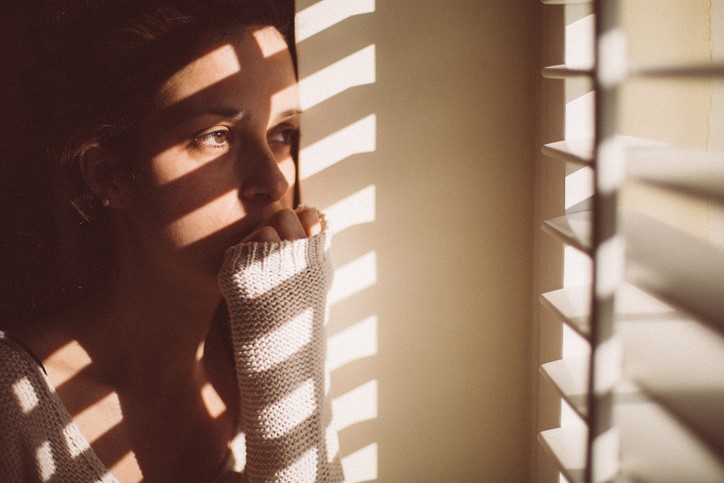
x: 451, y: 169
x: 672, y: 111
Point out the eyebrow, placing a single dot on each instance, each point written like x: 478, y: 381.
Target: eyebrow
x: 230, y: 113
x: 288, y: 113
x: 234, y: 114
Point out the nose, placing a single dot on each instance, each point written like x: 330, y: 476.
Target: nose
x: 263, y: 179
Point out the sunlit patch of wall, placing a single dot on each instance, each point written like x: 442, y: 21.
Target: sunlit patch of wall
x: 415, y: 141
x: 334, y: 80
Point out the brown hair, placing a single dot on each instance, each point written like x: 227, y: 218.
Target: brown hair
x: 92, y: 68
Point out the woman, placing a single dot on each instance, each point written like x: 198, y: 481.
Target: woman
x: 197, y: 283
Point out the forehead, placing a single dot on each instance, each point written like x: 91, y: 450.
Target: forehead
x: 248, y: 69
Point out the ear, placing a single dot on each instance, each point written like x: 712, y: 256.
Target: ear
x: 101, y: 175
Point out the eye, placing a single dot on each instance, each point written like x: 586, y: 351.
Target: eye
x: 284, y: 135
x: 212, y: 142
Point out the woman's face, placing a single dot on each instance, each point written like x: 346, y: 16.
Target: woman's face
x: 216, y: 155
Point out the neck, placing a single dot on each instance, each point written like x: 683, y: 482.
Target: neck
x: 146, y: 330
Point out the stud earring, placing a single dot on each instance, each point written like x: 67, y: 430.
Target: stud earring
x: 106, y: 202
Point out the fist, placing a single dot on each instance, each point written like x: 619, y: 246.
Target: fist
x: 288, y: 224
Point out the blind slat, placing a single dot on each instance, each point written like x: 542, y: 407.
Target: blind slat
x: 654, y: 447
x: 664, y: 71
x: 571, y: 305
x: 573, y: 229
x: 579, y: 151
x: 667, y: 71
x: 564, y: 71
x: 688, y: 171
x: 567, y: 448
x: 679, y: 363
x: 570, y: 378
x: 670, y: 355
x: 684, y: 271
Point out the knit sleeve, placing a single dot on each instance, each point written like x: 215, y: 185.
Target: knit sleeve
x: 276, y: 295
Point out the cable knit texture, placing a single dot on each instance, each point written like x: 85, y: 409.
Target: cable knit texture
x: 276, y: 294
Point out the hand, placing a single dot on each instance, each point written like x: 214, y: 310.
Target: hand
x: 288, y: 224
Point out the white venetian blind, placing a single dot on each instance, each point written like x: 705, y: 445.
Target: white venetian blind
x: 641, y: 374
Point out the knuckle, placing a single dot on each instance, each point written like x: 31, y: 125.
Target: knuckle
x: 287, y: 224
x: 307, y: 216
x: 312, y: 221
x: 284, y: 216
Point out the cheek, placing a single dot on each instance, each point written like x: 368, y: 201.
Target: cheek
x: 188, y: 221
x: 196, y: 242
x: 177, y: 203
x: 177, y: 191
x: 206, y: 222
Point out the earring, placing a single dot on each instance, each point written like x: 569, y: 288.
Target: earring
x: 106, y: 202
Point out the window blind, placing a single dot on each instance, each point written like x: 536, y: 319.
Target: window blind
x: 644, y: 388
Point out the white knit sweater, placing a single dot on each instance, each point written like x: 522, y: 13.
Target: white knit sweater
x: 276, y: 294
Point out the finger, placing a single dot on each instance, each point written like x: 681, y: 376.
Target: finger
x: 287, y: 224
x: 311, y: 220
x: 265, y: 234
